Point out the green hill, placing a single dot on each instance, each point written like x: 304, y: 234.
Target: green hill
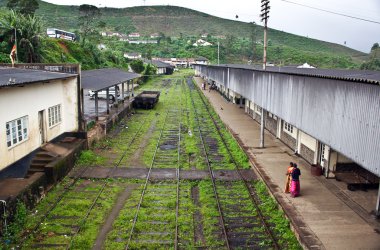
x: 174, y: 21
x: 182, y: 22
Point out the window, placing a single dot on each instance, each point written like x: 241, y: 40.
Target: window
x: 272, y: 116
x: 257, y: 109
x: 54, y: 115
x: 17, y: 131
x: 288, y: 127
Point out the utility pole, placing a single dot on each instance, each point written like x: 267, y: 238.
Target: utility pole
x: 264, y: 18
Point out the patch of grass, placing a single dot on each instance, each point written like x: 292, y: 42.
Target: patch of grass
x: 89, y: 158
x: 277, y: 220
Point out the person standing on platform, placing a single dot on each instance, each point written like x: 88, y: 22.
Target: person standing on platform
x: 295, y: 187
x: 288, y: 178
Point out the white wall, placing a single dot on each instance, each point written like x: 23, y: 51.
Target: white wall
x: 17, y: 102
x: 308, y: 141
x: 161, y: 71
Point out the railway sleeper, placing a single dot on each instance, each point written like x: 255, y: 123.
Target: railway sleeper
x: 155, y: 233
x: 244, y: 241
x: 242, y: 218
x: 50, y: 245
x: 161, y: 242
x: 243, y: 225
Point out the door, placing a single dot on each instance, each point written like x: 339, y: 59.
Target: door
x: 324, y: 159
x: 41, y: 125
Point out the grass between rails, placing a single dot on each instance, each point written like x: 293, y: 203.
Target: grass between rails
x: 69, y: 216
x: 276, y: 218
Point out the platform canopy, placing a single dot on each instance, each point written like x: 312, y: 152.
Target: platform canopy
x: 100, y: 79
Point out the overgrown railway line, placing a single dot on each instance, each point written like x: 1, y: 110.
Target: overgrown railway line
x: 195, y: 192
x: 66, y: 227
x: 243, y: 225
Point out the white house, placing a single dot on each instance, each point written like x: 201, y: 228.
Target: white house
x: 36, y: 107
x: 201, y: 60
x: 201, y: 42
x: 136, y: 35
x: 132, y: 55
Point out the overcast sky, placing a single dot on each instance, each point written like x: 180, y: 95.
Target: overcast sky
x: 285, y: 16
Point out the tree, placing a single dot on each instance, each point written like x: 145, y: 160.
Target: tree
x: 25, y: 7
x: 137, y: 66
x: 27, y: 29
x: 150, y: 70
x: 375, y: 46
x: 89, y: 21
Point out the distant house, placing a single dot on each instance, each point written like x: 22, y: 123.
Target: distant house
x: 155, y: 35
x: 132, y: 55
x: 124, y: 38
x: 306, y: 66
x: 220, y: 37
x: 44, y: 105
x: 205, y: 35
x: 178, y: 62
x: 111, y: 34
x: 162, y: 67
x: 143, y: 42
x: 201, y: 60
x: 134, y: 35
x: 102, y: 46
x: 201, y: 42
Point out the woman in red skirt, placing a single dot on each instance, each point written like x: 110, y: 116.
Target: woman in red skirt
x: 295, y: 186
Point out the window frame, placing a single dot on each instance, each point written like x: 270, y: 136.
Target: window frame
x: 17, y: 131
x: 54, y: 115
x: 288, y: 128
x: 258, y: 109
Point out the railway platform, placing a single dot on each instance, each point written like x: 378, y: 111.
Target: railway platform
x: 326, y: 215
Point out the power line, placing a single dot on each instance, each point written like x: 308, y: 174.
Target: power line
x: 332, y: 12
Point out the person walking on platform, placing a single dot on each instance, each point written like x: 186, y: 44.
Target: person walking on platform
x: 288, y: 178
x: 295, y: 186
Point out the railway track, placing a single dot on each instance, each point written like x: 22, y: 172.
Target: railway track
x: 154, y: 223
x: 162, y: 210
x: 83, y: 195
x: 243, y: 225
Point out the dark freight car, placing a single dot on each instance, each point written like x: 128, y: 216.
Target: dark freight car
x: 146, y: 99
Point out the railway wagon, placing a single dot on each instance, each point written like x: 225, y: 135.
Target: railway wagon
x: 146, y: 99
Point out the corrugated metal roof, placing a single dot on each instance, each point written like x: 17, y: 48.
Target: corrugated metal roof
x: 363, y: 76
x: 12, y: 77
x: 159, y: 64
x: 99, y: 79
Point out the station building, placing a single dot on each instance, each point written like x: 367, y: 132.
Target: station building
x: 39, y: 103
x: 328, y: 117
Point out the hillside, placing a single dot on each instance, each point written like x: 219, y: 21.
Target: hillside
x: 176, y: 22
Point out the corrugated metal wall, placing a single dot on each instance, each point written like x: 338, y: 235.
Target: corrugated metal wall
x: 342, y: 114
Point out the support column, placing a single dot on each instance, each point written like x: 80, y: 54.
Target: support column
x: 298, y: 142
x: 133, y: 90
x: 96, y: 106
x: 317, y: 152
x: 108, y: 100
x: 116, y: 97
x: 263, y: 113
x: 377, y: 211
x: 122, y: 91
x: 279, y: 127
x: 129, y: 94
x: 241, y: 102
